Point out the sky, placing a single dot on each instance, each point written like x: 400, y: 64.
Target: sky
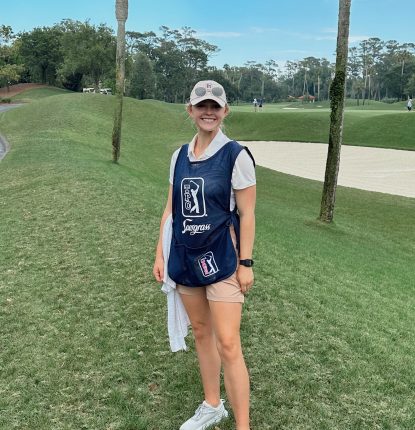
x: 244, y: 30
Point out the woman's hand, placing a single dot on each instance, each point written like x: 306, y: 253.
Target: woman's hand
x: 158, y: 269
x: 245, y: 277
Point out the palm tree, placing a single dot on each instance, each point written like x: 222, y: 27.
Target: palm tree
x: 337, y: 91
x: 121, y: 13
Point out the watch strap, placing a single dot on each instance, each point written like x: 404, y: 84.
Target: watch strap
x: 246, y: 262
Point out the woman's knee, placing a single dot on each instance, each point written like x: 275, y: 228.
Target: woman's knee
x: 229, y: 349
x: 202, y: 330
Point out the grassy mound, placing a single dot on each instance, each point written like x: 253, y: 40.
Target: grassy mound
x: 328, y: 328
x: 352, y: 104
x: 382, y: 129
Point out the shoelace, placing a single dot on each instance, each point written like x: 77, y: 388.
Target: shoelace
x: 200, y: 411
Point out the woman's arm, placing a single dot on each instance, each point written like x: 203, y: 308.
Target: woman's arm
x: 158, y: 268
x: 245, y: 201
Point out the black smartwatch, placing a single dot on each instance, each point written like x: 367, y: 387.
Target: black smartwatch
x: 247, y: 262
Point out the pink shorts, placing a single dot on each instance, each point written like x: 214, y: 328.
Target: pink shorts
x: 227, y: 290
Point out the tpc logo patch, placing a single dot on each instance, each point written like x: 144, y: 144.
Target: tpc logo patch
x: 207, y: 264
x: 193, y: 197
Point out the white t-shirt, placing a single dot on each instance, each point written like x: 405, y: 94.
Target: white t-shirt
x: 243, y: 175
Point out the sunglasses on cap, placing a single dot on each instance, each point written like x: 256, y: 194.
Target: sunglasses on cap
x: 216, y: 91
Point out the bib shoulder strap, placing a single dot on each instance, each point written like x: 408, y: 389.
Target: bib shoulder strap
x: 237, y: 148
x: 182, y: 153
x: 250, y: 154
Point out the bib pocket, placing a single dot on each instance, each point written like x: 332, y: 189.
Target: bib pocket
x: 198, y: 267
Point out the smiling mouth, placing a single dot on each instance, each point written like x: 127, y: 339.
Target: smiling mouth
x: 208, y: 119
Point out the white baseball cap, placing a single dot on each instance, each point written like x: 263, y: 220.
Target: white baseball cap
x: 208, y: 90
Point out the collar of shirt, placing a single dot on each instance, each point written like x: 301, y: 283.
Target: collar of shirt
x: 217, y: 143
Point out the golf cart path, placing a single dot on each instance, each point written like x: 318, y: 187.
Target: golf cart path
x: 13, y: 90
x: 4, y: 145
x: 387, y: 171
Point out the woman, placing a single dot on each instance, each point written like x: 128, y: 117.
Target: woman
x: 212, y: 200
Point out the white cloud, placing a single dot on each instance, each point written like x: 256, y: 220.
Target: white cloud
x: 218, y: 34
x: 293, y: 51
x: 262, y: 30
x: 298, y: 35
x: 329, y: 30
x: 324, y: 37
x: 354, y: 39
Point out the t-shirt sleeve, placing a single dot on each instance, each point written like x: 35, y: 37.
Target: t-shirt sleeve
x: 173, y: 164
x: 243, y: 175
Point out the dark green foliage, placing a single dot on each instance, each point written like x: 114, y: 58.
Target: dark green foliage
x: 89, y: 52
x: 174, y: 60
x: 10, y: 68
x: 41, y: 52
x: 73, y: 53
x: 143, y: 78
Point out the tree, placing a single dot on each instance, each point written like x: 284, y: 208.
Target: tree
x: 88, y: 53
x: 337, y: 93
x: 391, y: 73
x: 166, y: 65
x: 121, y: 13
x: 142, y: 79
x: 311, y: 76
x: 404, y: 56
x: 9, y: 71
x: 177, y: 57
x: 41, y: 53
x: 410, y: 86
x: 291, y: 68
x: 354, y: 72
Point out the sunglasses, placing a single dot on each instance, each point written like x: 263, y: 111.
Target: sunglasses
x: 216, y: 91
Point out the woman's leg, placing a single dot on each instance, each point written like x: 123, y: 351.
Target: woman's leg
x: 197, y: 308
x: 226, y: 318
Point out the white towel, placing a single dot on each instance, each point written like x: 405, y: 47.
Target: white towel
x: 177, y: 319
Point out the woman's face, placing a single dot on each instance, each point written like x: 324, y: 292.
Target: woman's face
x: 208, y: 115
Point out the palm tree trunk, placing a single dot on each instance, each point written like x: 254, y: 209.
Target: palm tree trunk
x: 337, y: 92
x: 121, y: 13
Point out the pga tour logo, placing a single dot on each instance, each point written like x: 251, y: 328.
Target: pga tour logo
x: 193, y: 197
x: 208, y: 264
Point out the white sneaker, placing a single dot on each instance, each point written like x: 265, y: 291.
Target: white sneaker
x: 205, y: 416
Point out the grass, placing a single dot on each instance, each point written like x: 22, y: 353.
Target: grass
x: 37, y: 93
x: 382, y: 129
x: 328, y: 329
x: 376, y: 124
x: 350, y: 105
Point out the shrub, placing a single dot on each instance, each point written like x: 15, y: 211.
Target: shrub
x: 389, y: 100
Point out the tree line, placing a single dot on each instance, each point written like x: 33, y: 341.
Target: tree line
x: 165, y: 65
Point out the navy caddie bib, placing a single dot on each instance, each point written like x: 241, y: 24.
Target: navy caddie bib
x: 202, y: 251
